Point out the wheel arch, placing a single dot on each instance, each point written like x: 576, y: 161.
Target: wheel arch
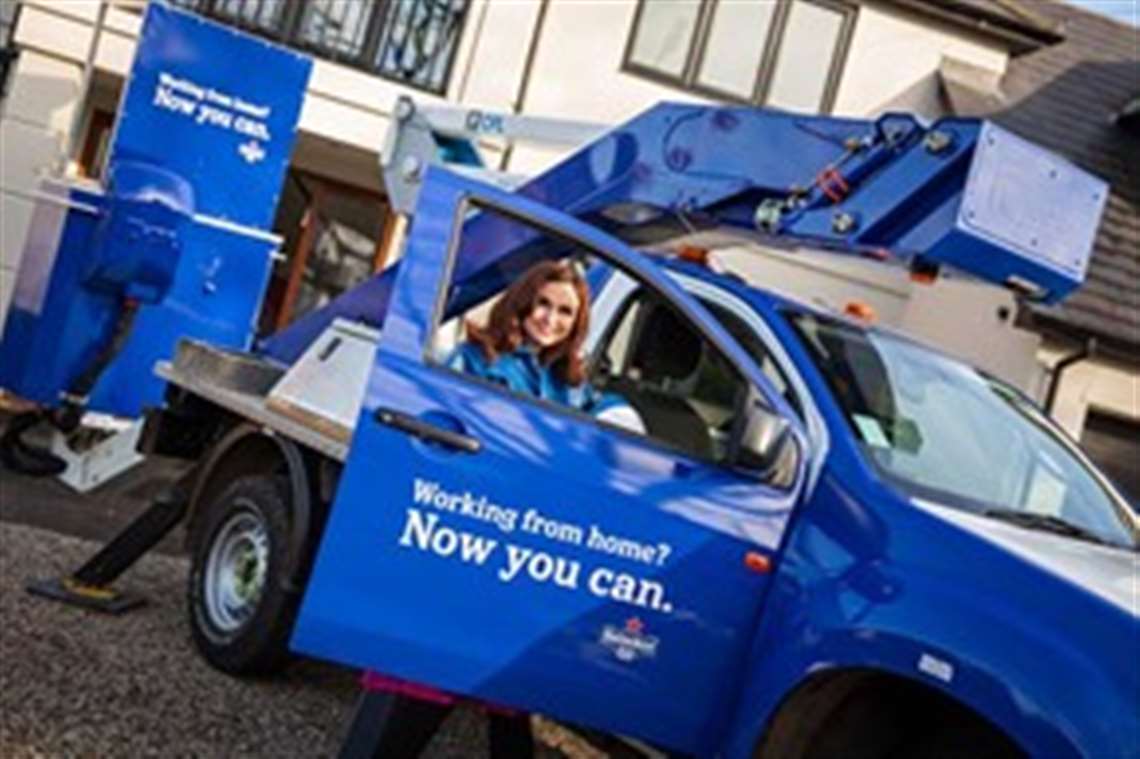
x: 816, y: 712
x: 248, y: 450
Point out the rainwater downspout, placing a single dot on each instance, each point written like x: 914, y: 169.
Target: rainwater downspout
x: 1058, y: 371
x: 71, y: 147
x: 528, y: 70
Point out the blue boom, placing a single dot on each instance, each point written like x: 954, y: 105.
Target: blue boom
x: 962, y: 193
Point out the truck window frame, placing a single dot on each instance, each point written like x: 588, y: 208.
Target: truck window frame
x: 471, y: 202
x: 638, y: 295
x: 789, y: 393
x: 815, y: 426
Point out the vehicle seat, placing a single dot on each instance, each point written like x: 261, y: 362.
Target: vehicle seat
x: 666, y: 357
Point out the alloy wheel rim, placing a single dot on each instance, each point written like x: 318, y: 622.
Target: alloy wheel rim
x: 236, y: 571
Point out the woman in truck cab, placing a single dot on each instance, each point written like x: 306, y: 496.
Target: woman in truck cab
x: 532, y: 344
x: 532, y: 341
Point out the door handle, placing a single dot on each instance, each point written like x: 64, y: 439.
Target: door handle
x: 427, y: 432
x: 683, y: 469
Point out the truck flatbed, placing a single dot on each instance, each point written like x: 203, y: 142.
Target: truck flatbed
x: 313, y: 403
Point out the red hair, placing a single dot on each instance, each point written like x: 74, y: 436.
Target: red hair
x: 504, y: 330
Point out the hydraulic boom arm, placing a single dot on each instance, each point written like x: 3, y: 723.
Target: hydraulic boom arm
x: 962, y: 192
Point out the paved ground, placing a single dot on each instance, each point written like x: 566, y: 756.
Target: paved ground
x: 75, y: 683
x: 98, y: 515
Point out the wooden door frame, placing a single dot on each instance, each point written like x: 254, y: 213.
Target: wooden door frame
x: 320, y: 189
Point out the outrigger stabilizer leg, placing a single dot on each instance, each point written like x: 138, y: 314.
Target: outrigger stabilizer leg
x: 90, y: 585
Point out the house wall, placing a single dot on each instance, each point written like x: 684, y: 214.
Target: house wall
x: 44, y: 92
x: 1095, y: 384
x: 891, y: 52
x: 1106, y: 388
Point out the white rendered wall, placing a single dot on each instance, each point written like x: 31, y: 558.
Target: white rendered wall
x: 1092, y: 384
x: 577, y: 72
x: 891, y: 51
x: 43, y: 92
x: 489, y: 70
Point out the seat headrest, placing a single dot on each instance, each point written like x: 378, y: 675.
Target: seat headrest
x: 669, y: 348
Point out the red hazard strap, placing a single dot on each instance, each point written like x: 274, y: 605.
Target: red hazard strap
x: 832, y: 184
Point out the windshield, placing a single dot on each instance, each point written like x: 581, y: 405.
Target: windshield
x: 943, y: 431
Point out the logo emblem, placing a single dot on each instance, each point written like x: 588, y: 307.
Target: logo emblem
x: 629, y: 642
x: 251, y: 151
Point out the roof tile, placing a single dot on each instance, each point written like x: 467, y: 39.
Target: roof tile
x: 1064, y: 97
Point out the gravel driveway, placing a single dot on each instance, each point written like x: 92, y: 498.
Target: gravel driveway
x: 77, y: 683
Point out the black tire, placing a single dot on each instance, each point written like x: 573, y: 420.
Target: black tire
x: 251, y: 635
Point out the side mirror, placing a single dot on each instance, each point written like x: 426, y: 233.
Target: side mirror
x: 767, y: 446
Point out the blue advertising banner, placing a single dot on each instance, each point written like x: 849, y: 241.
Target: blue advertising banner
x: 215, y: 106
x: 208, y: 119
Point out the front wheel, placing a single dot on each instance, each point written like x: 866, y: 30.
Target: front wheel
x: 241, y: 612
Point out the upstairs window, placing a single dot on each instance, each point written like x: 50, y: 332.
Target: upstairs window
x: 412, y: 42
x: 782, y: 53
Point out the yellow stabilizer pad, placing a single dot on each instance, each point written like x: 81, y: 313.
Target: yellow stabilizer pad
x: 97, y: 598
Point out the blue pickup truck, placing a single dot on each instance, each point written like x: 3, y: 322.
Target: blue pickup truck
x: 818, y: 538
x: 778, y: 533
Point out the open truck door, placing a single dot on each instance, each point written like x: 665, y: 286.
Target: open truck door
x: 525, y: 553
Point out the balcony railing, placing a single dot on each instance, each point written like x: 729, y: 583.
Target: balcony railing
x: 412, y: 42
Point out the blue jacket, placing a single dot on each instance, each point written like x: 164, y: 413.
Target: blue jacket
x: 521, y: 372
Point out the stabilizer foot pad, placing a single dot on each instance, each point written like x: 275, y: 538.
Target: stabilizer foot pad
x: 68, y: 591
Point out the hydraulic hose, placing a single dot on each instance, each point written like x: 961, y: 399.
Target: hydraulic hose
x: 66, y: 418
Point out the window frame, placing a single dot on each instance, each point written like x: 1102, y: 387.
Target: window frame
x: 431, y: 361
x: 9, y: 52
x: 689, y: 80
x: 791, y: 395
x: 1100, y: 420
